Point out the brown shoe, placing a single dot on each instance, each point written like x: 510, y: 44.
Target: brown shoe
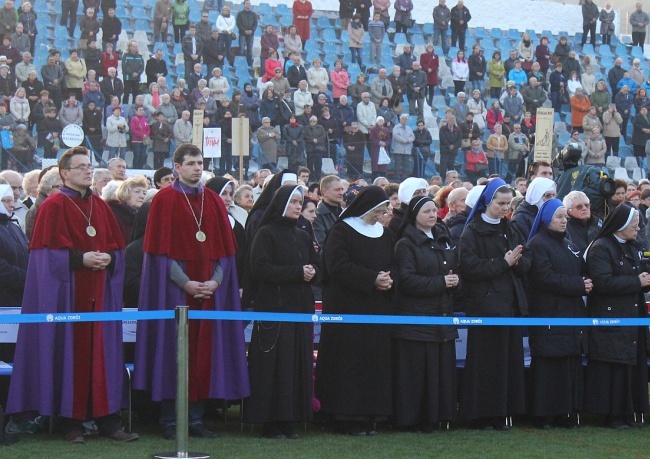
x: 120, y: 435
x: 75, y: 436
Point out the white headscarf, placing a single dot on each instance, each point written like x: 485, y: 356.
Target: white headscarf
x: 473, y: 195
x: 408, y: 188
x: 537, y: 188
x: 5, y: 190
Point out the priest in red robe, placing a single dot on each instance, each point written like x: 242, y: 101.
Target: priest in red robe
x: 75, y: 265
x: 189, y: 260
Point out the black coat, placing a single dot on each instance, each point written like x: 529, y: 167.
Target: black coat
x: 13, y: 262
x: 278, y: 254
x: 450, y: 140
x: 492, y: 288
x: 555, y: 289
x: 456, y: 225
x: 581, y: 232
x: 523, y: 219
x: 422, y: 264
x: 614, y: 268
x: 639, y: 137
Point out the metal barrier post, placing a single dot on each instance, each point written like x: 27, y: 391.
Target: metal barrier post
x: 182, y: 405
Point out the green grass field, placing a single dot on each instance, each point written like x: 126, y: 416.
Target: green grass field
x: 524, y: 441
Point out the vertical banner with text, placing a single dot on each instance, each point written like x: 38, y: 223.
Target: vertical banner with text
x: 197, y: 128
x: 544, y: 135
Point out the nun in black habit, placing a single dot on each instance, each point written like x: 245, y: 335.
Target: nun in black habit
x: 134, y: 256
x: 353, y: 372
x: 617, y: 374
x: 219, y: 185
x: 425, y: 355
x: 492, y: 269
x: 280, y: 354
x: 556, y: 287
x: 252, y: 222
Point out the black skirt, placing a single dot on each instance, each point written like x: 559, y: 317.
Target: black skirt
x: 425, y: 382
x: 557, y: 385
x: 493, y: 381
x: 280, y: 363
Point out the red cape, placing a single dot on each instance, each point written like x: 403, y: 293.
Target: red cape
x: 171, y: 229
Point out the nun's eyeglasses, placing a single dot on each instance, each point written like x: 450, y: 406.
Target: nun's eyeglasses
x: 379, y: 211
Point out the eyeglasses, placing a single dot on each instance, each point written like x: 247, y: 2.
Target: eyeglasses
x: 7, y: 200
x: 379, y: 211
x: 56, y: 187
x: 549, y: 195
x: 82, y: 168
x: 582, y: 206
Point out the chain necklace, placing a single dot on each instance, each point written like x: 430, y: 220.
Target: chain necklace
x: 90, y: 229
x: 200, y: 235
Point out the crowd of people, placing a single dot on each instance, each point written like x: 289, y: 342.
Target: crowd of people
x: 410, y: 246
x: 416, y: 248
x: 310, y: 111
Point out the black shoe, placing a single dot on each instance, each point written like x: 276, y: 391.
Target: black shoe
x: 169, y: 433
x: 543, y: 422
x: 286, y: 428
x: 632, y: 423
x: 617, y: 423
x: 197, y: 430
x: 498, y: 424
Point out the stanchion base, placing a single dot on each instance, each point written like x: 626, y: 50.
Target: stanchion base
x: 177, y: 455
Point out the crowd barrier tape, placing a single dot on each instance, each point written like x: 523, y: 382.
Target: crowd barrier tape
x: 326, y: 319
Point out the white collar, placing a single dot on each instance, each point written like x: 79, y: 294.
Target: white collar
x: 360, y: 226
x: 231, y: 219
x: 490, y: 220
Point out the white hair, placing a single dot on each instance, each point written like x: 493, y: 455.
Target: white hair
x: 109, y: 192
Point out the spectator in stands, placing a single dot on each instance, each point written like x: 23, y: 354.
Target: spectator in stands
x: 619, y: 282
x: 636, y: 73
x: 525, y: 52
x: 33, y: 88
x: 405, y: 60
x: 430, y: 62
x: 268, y: 43
x: 403, y: 10
x: 509, y: 64
x: 614, y: 76
x: 518, y: 149
x: 354, y: 144
x: 600, y: 98
x: 441, y: 19
x: 49, y: 131
x: 477, y: 67
x: 92, y: 125
x: 562, y: 49
x: 226, y: 27
x: 558, y: 83
x: 459, y: 17
x: 450, y: 138
x: 640, y: 134
x: 48, y: 185
x: 27, y: 17
x: 315, y: 145
x: 579, y: 107
x: 476, y: 107
x: 513, y: 105
x: 268, y: 139
x: 612, y: 121
x: 183, y: 129
x: 534, y: 95
x: 459, y: 71
x: 75, y: 73
x: 380, y: 136
x: 460, y: 108
x: 24, y: 148
x: 627, y: 81
x: 112, y: 27
x: 589, y: 122
x: 543, y: 54
x: 366, y: 115
x: 93, y: 57
x: 357, y: 34
x: 476, y: 164
x: 344, y: 114
x: 582, y: 227
x: 416, y: 83
x: 340, y: 80
x: 333, y: 131
x: 111, y: 86
x: 13, y: 251
x: 518, y: 75
x: 19, y: 106
x: 469, y: 130
x: 89, y: 26
x: 301, y: 98
x: 358, y: 89
x: 496, y: 72
x: 252, y: 104
x: 573, y: 84
x: 156, y: 67
x: 69, y: 9
x: 346, y: 11
x: 109, y: 59
x: 624, y: 101
x: 168, y: 109
x: 556, y: 355
x: 94, y: 95
x: 380, y: 88
x: 163, y: 15
x: 590, y: 16
x: 140, y: 135
x: 497, y: 146
x: 421, y: 147
x: 607, y: 28
x: 271, y: 67
x: 132, y: 68
x: 180, y: 19
x: 294, y: 138
x: 179, y: 102
x: 71, y: 112
x: 596, y: 148
x: 639, y: 21
x: 398, y: 83
x: 588, y: 80
x: 193, y: 78
x: 641, y: 99
x: 139, y: 102
x: 152, y: 100
x: 117, y: 127
x: 494, y: 116
x: 376, y: 32
x: 316, y: 76
x: 218, y: 84
x: 302, y: 11
x: 403, y: 138
x: 20, y: 40
x: 192, y: 47
x: 204, y: 28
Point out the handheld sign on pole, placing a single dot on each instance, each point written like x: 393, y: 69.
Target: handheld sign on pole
x: 72, y: 135
x: 240, y: 142
x: 544, y: 135
x: 212, y: 142
x: 197, y: 128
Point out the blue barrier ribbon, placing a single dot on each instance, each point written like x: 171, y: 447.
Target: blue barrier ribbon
x: 324, y: 318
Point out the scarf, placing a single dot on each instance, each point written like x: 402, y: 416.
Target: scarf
x: 155, y: 99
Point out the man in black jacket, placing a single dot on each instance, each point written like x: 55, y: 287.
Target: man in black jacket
x: 156, y: 67
x: 111, y: 29
x: 247, y: 24
x: 332, y: 129
x: 111, y: 85
x: 590, y: 15
x: 459, y: 17
x: 296, y: 72
x: 614, y: 75
x: 211, y: 56
x: 192, y: 47
x: 329, y: 209
x: 450, y: 137
x: 416, y: 83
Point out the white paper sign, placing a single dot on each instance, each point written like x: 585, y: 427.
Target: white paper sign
x: 212, y: 142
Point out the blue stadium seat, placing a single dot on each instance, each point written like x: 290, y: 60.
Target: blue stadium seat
x: 139, y: 13
x: 625, y: 151
x: 562, y: 33
x: 269, y: 19
x: 286, y: 20
x: 547, y: 33
x: 496, y: 33
x: 324, y: 23
x: 588, y: 48
x: 514, y: 34
x: 637, y: 52
x: 439, y: 101
x: 264, y: 8
x: 418, y: 39
x: 480, y: 32
x: 353, y: 70
x: 427, y: 28
x: 605, y: 51
x: 563, y: 137
x: 621, y: 50
x: 400, y: 39
x: 330, y: 36
x: 532, y: 33
x: 283, y: 10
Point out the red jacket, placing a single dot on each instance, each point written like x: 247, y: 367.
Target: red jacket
x: 430, y: 63
x: 108, y: 61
